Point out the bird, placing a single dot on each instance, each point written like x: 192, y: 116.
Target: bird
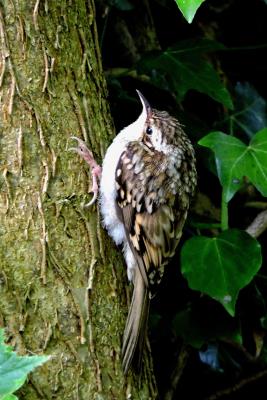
x: 147, y: 180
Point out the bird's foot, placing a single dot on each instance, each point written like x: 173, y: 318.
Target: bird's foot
x: 96, y: 170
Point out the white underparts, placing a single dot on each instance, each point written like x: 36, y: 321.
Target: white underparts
x: 130, y: 261
x: 108, y: 193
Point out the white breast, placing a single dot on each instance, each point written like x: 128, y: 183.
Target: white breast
x: 108, y: 192
x: 111, y: 221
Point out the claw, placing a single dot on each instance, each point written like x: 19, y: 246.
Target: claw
x: 83, y: 151
x: 96, y: 170
x: 91, y: 202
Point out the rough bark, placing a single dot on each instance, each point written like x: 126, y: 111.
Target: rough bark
x: 62, y: 281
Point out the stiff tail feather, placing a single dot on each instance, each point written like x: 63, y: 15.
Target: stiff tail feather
x: 136, y: 324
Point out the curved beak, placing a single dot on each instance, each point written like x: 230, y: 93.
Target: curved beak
x: 146, y: 106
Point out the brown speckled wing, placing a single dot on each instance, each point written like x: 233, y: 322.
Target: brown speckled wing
x: 147, y: 208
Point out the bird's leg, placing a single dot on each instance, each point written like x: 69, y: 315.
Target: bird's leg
x: 96, y: 170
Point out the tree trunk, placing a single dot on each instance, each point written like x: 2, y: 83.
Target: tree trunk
x: 62, y: 280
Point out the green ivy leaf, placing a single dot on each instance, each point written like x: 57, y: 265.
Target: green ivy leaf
x: 14, y: 368
x: 182, y: 67
x: 123, y: 5
x: 197, y: 325
x: 189, y: 8
x: 234, y: 160
x: 9, y: 397
x: 250, y: 114
x: 222, y: 265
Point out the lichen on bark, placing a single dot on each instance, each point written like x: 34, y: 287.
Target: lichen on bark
x: 62, y: 281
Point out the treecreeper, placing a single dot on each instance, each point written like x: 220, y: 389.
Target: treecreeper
x: 147, y: 180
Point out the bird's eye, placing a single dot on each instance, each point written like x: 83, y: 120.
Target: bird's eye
x: 149, y: 130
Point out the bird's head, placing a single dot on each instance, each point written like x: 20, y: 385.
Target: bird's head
x: 158, y: 128
x: 155, y: 129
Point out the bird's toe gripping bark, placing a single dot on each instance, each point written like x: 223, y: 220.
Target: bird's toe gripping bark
x: 96, y: 170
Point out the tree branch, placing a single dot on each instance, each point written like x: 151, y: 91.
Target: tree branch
x: 177, y: 372
x: 238, y: 386
x: 259, y: 225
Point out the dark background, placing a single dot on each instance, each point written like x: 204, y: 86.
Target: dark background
x: 128, y: 30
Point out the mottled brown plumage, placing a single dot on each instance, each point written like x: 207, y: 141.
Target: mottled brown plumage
x: 154, y: 187
x: 148, y: 179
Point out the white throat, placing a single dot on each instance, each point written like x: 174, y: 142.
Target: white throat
x: 130, y: 133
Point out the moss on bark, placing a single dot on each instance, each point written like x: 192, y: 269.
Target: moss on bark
x: 62, y: 281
